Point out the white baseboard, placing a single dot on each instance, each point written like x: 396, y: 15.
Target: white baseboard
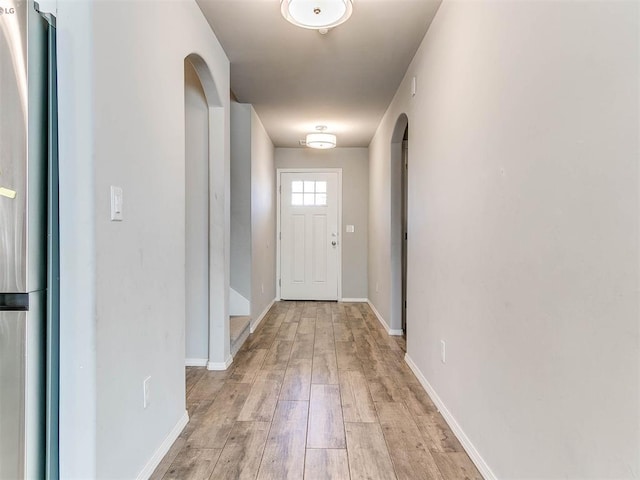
x: 471, y: 450
x: 354, y: 300
x: 255, y: 324
x: 390, y: 331
x: 157, y: 457
x: 195, y: 362
x: 220, y: 365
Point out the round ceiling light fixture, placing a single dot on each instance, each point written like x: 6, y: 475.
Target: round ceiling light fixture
x: 321, y: 140
x: 316, y: 14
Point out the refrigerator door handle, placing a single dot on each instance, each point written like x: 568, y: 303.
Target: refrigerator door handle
x: 14, y: 302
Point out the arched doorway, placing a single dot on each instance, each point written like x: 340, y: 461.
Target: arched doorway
x: 196, y: 126
x: 207, y: 220
x: 399, y: 223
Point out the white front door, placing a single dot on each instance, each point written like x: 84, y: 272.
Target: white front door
x: 309, y: 245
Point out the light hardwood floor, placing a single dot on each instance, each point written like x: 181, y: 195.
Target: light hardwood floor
x: 320, y: 391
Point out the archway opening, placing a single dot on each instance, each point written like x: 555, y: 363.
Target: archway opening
x: 196, y: 219
x: 399, y: 165
x: 404, y: 185
x: 210, y: 117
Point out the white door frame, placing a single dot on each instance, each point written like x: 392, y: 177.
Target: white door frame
x: 280, y: 171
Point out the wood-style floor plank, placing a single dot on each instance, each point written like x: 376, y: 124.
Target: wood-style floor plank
x: 214, y: 427
x: 385, y: 389
x: 278, y: 355
x: 287, y: 331
x: 346, y: 356
x: 207, y: 386
x: 247, y: 367
x: 292, y: 315
x: 375, y: 364
x: 193, y: 464
x: 261, y: 401
x: 326, y: 464
x: 357, y: 405
x: 302, y: 346
x: 325, y: 368
x: 263, y: 337
x: 309, y: 310
x: 403, y: 371
x: 324, y: 316
x: 272, y: 375
x: 326, y: 427
x: 306, y: 326
x: 197, y: 412
x: 168, y: 459
x: 456, y: 466
x: 437, y: 433
x: 410, y: 456
x: 342, y: 332
x: 297, y: 380
x: 324, y: 339
x: 192, y: 376
x: 241, y: 456
x: 278, y: 317
x: 285, y: 449
x: 417, y: 400
x: 368, y: 454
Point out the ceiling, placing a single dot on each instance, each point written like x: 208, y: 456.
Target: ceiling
x: 297, y: 79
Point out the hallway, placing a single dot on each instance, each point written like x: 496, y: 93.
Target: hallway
x: 319, y: 391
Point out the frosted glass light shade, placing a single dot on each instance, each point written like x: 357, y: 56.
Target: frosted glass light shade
x: 321, y: 140
x: 316, y: 14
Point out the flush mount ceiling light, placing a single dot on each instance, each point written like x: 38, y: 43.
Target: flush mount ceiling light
x: 316, y: 14
x: 321, y: 140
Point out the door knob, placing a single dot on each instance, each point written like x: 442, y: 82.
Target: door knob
x: 333, y: 243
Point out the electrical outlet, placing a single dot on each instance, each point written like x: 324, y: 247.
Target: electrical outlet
x: 146, y: 386
x: 443, y: 351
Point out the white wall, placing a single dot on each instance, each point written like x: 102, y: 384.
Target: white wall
x: 355, y: 187
x: 122, y: 107
x: 263, y: 219
x: 78, y: 393
x: 523, y: 231
x: 241, y: 129
x: 253, y: 210
x: 197, y: 216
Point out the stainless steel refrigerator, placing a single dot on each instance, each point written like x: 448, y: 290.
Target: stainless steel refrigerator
x: 28, y: 244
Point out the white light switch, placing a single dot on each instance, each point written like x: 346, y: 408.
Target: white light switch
x: 116, y: 204
x: 351, y: 229
x: 146, y: 387
x: 7, y: 192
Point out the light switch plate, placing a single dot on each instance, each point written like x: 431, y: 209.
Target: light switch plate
x: 7, y: 192
x: 351, y: 228
x: 146, y: 392
x: 116, y: 204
